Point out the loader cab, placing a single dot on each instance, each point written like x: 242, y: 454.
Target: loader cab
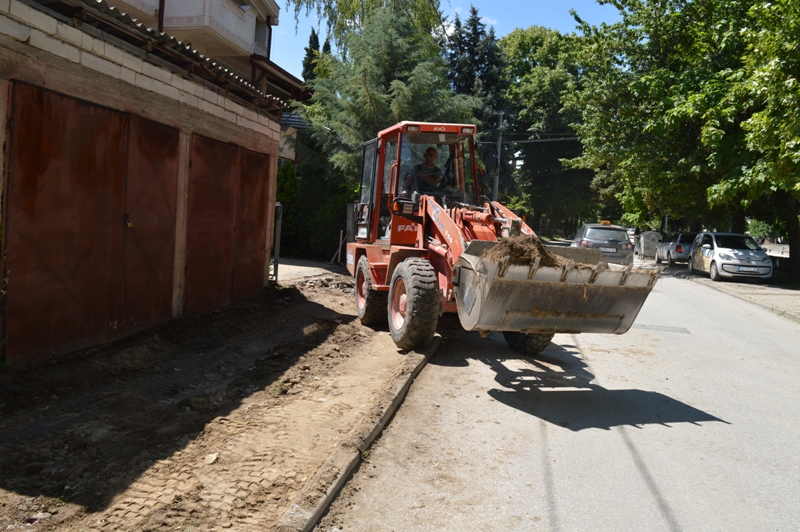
x: 388, y: 172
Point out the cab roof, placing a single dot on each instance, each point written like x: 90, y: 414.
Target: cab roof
x: 428, y: 127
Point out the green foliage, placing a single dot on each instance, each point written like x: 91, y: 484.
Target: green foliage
x: 476, y: 67
x: 350, y: 16
x: 312, y: 54
x: 287, y: 196
x: 390, y: 72
x: 542, y: 70
x: 759, y: 229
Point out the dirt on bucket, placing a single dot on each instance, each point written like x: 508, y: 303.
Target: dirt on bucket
x: 523, y: 250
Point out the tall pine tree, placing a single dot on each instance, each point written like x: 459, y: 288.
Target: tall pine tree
x: 312, y: 54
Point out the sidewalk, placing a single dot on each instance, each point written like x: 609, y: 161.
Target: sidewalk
x: 293, y: 269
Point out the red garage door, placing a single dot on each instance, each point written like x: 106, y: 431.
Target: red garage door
x: 226, y: 224
x: 90, y: 224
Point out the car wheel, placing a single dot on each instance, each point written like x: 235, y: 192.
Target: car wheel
x: 714, y: 273
x: 690, y: 266
x: 670, y: 261
x: 658, y: 258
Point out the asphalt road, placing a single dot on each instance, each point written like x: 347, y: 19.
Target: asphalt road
x: 690, y: 421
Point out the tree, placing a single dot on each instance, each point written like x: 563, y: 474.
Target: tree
x: 311, y: 57
x: 658, y: 124
x: 476, y: 67
x: 542, y: 70
x: 389, y: 73
x: 771, y: 88
x: 350, y: 16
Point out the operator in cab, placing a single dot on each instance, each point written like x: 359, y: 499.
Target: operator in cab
x: 425, y: 177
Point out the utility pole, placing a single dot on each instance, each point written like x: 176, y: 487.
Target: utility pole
x: 496, y: 183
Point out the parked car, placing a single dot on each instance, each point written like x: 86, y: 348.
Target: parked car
x: 645, y: 245
x: 612, y: 240
x: 675, y: 248
x: 729, y: 255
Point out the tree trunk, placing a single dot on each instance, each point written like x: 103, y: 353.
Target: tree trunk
x: 537, y: 222
x: 738, y: 223
x: 793, y: 226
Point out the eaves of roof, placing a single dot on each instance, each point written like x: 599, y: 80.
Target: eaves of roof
x: 160, y: 47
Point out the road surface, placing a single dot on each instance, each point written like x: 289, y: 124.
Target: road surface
x: 690, y: 421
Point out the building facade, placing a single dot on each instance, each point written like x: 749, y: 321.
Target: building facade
x: 138, y: 177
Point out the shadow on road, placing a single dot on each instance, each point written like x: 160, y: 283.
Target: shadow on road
x: 557, y: 387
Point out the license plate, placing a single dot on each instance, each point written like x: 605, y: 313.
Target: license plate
x: 608, y: 250
x: 749, y: 269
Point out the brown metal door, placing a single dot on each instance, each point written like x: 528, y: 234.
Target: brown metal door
x: 211, y: 211
x: 65, y: 192
x: 149, y: 244
x: 251, y: 224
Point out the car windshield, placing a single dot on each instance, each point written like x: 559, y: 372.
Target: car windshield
x: 736, y: 242
x: 602, y: 233
x: 686, y: 238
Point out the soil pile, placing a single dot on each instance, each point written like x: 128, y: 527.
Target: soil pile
x: 523, y: 250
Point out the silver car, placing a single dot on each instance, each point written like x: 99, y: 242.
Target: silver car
x: 675, y: 248
x: 729, y: 255
x: 612, y: 240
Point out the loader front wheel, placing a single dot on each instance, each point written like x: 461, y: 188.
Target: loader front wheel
x: 530, y: 343
x: 413, y: 304
x: 370, y: 304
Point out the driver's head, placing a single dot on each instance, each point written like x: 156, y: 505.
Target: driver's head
x: 430, y: 156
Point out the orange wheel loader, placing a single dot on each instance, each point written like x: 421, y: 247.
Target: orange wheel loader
x: 423, y: 232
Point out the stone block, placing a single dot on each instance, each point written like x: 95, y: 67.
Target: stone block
x: 211, y: 96
x: 230, y: 115
x: 144, y: 82
x: 188, y: 98
x: 156, y: 72
x: 98, y: 47
x: 69, y: 34
x: 101, y: 65
x: 43, y: 22
x: 128, y: 75
x: 132, y: 62
x: 54, y: 46
x: 14, y: 29
x: 114, y: 54
x: 4, y: 5
x: 20, y: 11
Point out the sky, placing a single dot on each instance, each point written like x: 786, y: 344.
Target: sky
x: 288, y: 46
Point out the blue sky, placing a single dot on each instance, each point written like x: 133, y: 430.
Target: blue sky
x: 505, y: 16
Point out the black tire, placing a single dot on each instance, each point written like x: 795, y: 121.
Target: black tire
x: 714, y: 273
x: 690, y: 266
x: 370, y: 304
x: 670, y: 261
x: 413, y: 306
x: 658, y: 258
x: 530, y: 343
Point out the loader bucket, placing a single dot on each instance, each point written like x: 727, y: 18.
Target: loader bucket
x: 499, y: 295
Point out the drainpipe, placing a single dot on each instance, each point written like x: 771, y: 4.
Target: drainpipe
x: 269, y: 35
x: 161, y: 15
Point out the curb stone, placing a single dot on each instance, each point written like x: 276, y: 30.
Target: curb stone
x: 314, y: 499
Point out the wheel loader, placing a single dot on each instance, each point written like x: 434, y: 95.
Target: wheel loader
x: 429, y: 241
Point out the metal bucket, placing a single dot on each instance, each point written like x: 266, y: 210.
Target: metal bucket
x: 498, y: 296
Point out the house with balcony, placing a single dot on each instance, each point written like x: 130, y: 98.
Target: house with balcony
x: 237, y: 33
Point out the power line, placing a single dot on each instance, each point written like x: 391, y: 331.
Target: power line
x: 530, y: 141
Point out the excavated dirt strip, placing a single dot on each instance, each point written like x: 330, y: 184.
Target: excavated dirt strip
x: 213, y: 423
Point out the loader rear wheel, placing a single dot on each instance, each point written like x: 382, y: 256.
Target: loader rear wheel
x: 413, y: 304
x: 370, y: 304
x: 530, y: 343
